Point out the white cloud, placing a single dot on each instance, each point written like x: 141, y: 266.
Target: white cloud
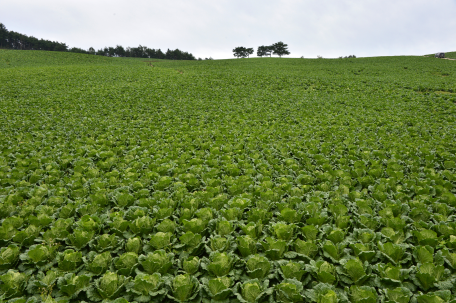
x: 213, y: 28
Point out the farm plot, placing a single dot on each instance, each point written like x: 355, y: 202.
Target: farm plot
x: 280, y: 180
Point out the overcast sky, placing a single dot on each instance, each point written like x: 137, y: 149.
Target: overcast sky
x: 329, y: 28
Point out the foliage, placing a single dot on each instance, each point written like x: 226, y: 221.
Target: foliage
x: 292, y: 180
x: 242, y: 52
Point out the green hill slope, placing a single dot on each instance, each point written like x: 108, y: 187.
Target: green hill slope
x: 250, y: 179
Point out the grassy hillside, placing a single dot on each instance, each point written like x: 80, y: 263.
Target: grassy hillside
x: 291, y: 179
x: 451, y: 55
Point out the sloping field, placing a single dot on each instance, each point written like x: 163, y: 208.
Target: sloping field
x: 250, y: 180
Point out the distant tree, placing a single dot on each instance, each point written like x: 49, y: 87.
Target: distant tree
x: 78, y: 50
x: 119, y: 51
x: 238, y: 52
x: 249, y: 51
x: 13, y: 40
x: 280, y: 49
x: 60, y: 47
x: 242, y: 52
x: 264, y: 51
x: 3, y: 35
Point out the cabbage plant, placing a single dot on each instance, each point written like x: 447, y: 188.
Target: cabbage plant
x: 79, y: 238
x: 147, y: 288
x: 126, y: 263
x: 13, y: 284
x: 274, y: 249
x: 166, y: 226
x: 191, y: 265
x: 106, y: 242
x: 218, y: 289
x: 219, y: 244
x: 97, y: 264
x: 220, y: 263
x: 224, y: 227
x: 142, y: 225
x: 364, y: 252
x: 159, y: 262
x: 289, y: 291
x: 246, y: 245
x: 160, y: 240
x: 253, y: 230
x: 426, y: 237
x: 399, y: 295
x: 305, y: 249
x: 42, y: 280
x: 195, y: 225
x: 134, y: 245
x: 291, y: 270
x: 355, y: 270
x: 390, y: 275
x: 363, y: 294
x: 109, y: 287
x: 71, y: 285
x: 258, y: 267
x: 325, y: 293
x: 428, y: 274
x: 39, y: 256
x: 185, y: 288
x: 394, y: 253
x: 253, y: 291
x: 90, y: 223
x: 333, y: 251
x: 27, y: 236
x: 323, y: 271
x: 283, y: 231
x: 290, y: 215
x: 9, y: 256
x: 193, y: 243
x: 69, y: 260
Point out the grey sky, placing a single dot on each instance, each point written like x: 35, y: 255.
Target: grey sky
x: 329, y: 28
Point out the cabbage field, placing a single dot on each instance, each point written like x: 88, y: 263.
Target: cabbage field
x: 218, y: 181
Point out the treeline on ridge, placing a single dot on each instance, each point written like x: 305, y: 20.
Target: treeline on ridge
x: 15, y: 40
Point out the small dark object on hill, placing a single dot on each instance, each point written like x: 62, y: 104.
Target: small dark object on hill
x: 346, y: 57
x: 440, y: 55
